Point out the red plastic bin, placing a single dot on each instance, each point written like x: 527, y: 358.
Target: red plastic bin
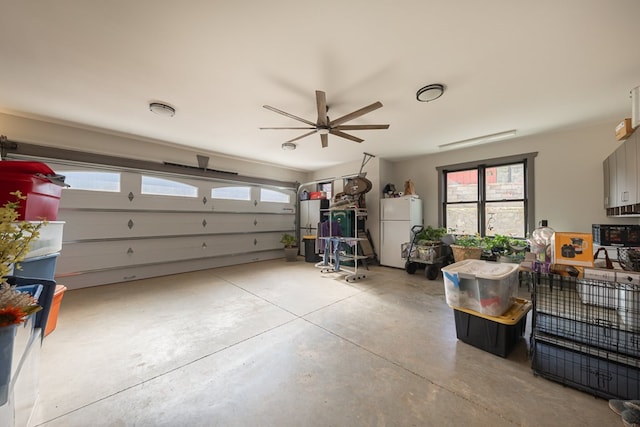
x: 316, y: 195
x: 37, y: 182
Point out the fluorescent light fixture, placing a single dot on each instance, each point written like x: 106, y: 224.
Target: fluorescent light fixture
x: 480, y: 139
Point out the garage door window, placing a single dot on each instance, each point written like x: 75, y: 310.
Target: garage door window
x: 166, y: 187
x: 231, y: 193
x: 273, y: 196
x: 92, y: 181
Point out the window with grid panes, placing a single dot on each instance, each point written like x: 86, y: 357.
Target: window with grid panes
x: 488, y: 197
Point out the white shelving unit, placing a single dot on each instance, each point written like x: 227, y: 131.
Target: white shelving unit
x: 334, y: 258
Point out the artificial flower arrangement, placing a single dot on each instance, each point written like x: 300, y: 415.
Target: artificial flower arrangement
x: 15, y: 238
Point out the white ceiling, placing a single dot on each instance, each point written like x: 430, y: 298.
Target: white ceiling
x: 534, y: 66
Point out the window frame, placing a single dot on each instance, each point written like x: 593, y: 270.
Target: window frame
x: 529, y: 187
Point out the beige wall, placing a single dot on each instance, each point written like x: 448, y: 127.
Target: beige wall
x: 568, y: 169
x: 569, y: 189
x: 98, y: 141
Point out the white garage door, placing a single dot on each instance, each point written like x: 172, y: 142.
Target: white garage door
x: 124, y: 225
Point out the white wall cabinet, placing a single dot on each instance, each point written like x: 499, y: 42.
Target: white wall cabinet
x: 630, y: 192
x: 626, y: 176
x: 622, y: 180
x: 310, y: 217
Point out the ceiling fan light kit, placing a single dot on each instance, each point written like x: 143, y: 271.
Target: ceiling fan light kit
x: 162, y: 109
x: 324, y: 126
x: 430, y: 92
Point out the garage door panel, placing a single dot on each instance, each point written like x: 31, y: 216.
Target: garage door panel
x: 91, y: 225
x: 86, y: 256
x: 78, y: 199
x: 274, y: 222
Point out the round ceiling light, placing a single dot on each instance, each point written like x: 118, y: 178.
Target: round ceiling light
x: 430, y: 92
x: 288, y: 146
x: 162, y: 109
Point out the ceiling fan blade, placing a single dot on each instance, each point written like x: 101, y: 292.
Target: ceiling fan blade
x: 324, y: 138
x: 284, y: 113
x: 302, y: 136
x: 321, y: 102
x: 356, y: 114
x: 345, y: 135
x: 360, y: 127
x: 280, y: 128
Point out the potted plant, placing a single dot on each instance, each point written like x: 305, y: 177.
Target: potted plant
x: 429, y: 242
x: 497, y: 246
x: 290, y: 246
x: 431, y: 235
x: 505, y: 248
x: 467, y: 246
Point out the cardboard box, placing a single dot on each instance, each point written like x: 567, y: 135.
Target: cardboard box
x: 572, y: 248
x: 628, y: 277
x: 624, y: 129
x: 602, y: 274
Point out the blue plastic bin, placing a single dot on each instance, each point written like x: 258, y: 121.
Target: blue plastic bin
x: 42, y: 267
x: 34, y: 290
x: 45, y: 299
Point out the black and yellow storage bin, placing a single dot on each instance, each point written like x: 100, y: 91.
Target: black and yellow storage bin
x: 495, y: 334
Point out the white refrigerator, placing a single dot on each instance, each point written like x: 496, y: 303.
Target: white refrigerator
x: 397, y: 216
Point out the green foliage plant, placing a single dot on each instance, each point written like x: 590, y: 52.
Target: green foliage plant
x: 289, y: 240
x: 431, y: 234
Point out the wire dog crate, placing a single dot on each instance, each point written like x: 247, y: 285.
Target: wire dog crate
x: 586, y: 334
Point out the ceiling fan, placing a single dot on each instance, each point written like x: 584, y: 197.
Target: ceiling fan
x: 324, y: 126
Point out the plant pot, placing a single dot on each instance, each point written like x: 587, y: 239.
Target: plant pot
x: 513, y: 259
x: 466, y: 252
x: 291, y: 254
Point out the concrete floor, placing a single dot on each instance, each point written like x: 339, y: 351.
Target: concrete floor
x: 281, y: 344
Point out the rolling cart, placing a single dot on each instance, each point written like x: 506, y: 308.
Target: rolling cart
x: 433, y: 257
